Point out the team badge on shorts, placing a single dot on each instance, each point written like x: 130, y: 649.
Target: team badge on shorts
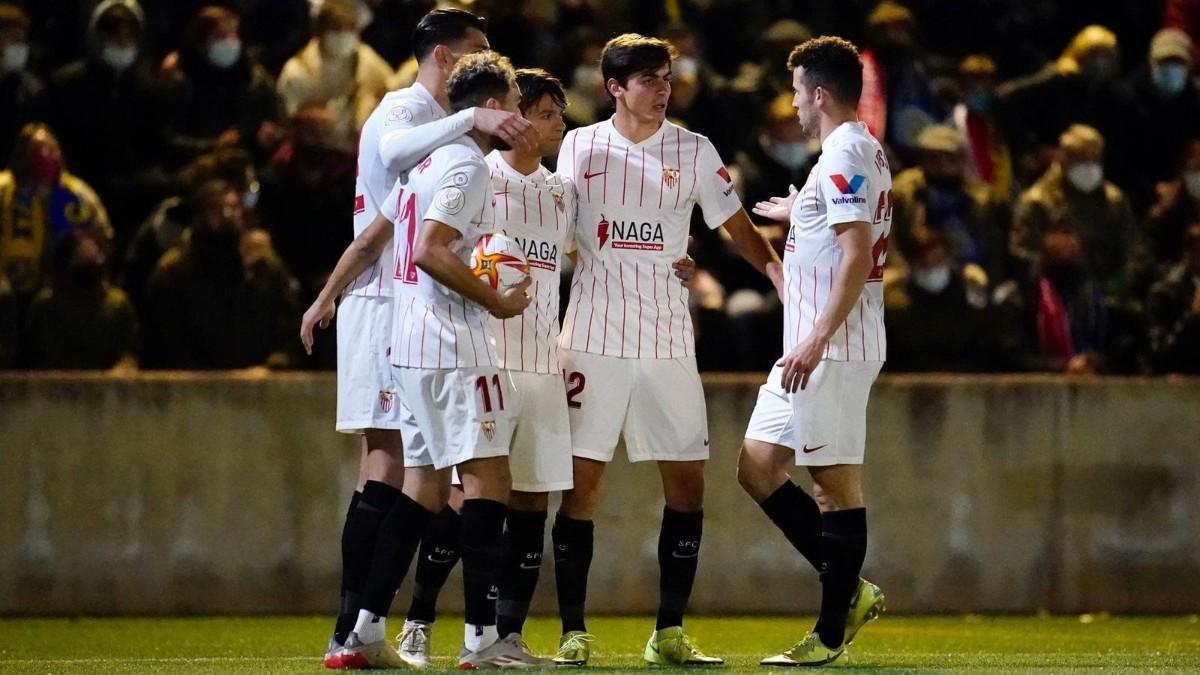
x: 670, y: 176
x: 489, y: 429
x: 386, y: 399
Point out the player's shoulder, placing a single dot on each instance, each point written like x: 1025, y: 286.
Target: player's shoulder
x: 683, y: 133
x: 851, y: 144
x: 457, y: 156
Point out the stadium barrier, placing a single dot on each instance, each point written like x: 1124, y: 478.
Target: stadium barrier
x: 212, y: 494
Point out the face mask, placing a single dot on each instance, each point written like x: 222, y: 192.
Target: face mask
x: 1191, y: 181
x: 932, y: 279
x: 339, y: 44
x: 250, y: 196
x: 978, y: 100
x: 792, y: 155
x: 1086, y: 177
x: 118, y: 58
x: 225, y: 53
x: 14, y: 58
x: 1170, y: 78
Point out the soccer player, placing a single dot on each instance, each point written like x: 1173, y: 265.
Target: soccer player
x: 406, y: 126
x: 812, y: 411
x: 445, y: 369
x: 627, y: 341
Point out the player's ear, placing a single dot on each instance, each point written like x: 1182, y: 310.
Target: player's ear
x: 494, y: 104
x: 443, y: 56
x: 613, y: 87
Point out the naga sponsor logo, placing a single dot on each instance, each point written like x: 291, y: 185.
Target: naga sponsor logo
x: 628, y: 234
x: 540, y: 253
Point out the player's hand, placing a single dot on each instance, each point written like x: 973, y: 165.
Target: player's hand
x: 778, y: 209
x: 510, y: 127
x: 513, y: 301
x: 799, y: 363
x: 685, y: 267
x: 319, y: 314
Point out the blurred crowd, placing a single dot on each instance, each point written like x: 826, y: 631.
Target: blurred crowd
x: 178, y: 175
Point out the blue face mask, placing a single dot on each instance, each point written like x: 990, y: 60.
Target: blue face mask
x: 978, y: 100
x: 225, y: 53
x: 1170, y: 78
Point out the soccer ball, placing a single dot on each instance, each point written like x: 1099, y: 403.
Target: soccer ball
x: 498, y: 261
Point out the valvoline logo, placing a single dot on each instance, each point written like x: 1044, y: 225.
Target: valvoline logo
x: 847, y: 187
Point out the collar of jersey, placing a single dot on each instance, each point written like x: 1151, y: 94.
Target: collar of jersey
x: 842, y: 129
x: 505, y: 167
x: 420, y: 90
x: 612, y: 129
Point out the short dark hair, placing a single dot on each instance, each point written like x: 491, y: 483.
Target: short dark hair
x: 627, y: 55
x: 535, y: 83
x: 477, y: 77
x: 443, y: 25
x: 831, y: 63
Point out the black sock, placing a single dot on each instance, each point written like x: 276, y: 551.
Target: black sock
x: 441, y: 547
x: 358, y: 545
x: 572, y: 560
x: 399, y: 534
x: 678, y: 553
x: 843, y: 547
x: 799, y: 517
x: 482, y: 553
x: 524, y: 537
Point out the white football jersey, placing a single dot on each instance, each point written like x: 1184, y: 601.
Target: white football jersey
x: 634, y: 215
x: 539, y: 212
x: 851, y: 182
x: 436, y: 327
x: 402, y: 109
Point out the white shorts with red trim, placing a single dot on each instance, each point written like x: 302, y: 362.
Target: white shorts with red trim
x: 657, y: 405
x: 366, y: 394
x: 826, y: 422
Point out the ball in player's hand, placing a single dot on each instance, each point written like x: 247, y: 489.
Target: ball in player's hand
x: 499, y: 261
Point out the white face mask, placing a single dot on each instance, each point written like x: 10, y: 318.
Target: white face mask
x: 339, y: 44
x: 225, y: 53
x: 793, y: 155
x: 15, y: 57
x: 118, y: 58
x: 932, y: 279
x: 1191, y: 181
x: 1086, y: 177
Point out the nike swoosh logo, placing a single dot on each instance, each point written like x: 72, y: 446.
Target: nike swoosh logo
x: 808, y: 449
x: 435, y: 561
x: 675, y: 554
x: 526, y: 566
x: 589, y: 176
x: 706, y: 442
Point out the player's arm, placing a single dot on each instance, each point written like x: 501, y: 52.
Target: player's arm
x: 432, y: 253
x: 848, y: 281
x: 403, y: 144
x: 754, y: 249
x: 358, y: 256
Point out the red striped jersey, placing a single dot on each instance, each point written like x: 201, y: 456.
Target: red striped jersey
x: 436, y: 327
x: 538, y: 211
x: 399, y: 110
x: 851, y: 182
x: 635, y: 209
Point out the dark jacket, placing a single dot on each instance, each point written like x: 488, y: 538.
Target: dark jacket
x: 1174, y: 327
x: 88, y: 330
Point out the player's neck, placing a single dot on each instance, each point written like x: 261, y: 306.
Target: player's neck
x: 524, y: 164
x: 831, y: 122
x: 433, y: 81
x: 635, y: 130
x: 484, y: 141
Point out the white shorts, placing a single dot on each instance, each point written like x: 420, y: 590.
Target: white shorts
x: 656, y: 404
x: 540, y: 460
x: 366, y: 394
x: 461, y: 414
x: 826, y: 422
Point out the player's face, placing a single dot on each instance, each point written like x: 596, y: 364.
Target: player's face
x: 547, y: 119
x: 511, y: 103
x: 804, y: 101
x: 645, y: 95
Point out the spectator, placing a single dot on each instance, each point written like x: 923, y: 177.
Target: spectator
x: 1073, y: 195
x: 1184, y: 15
x: 81, y: 322
x: 897, y: 98
x: 9, y: 334
x: 989, y: 158
x: 336, y: 70
x: 936, y: 196
x: 781, y: 155
x: 1174, y: 312
x: 1176, y: 209
x: 1054, y: 319
x: 21, y: 95
x: 112, y: 145
x: 220, y: 298
x: 937, y: 318
x: 304, y: 195
x: 39, y: 202
x: 165, y: 226
x: 1169, y: 111
x: 1082, y: 86
x: 216, y: 96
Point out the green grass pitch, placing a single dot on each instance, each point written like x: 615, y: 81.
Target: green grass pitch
x: 892, y: 644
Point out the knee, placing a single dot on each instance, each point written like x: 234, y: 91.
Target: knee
x: 580, y: 501
x: 757, y: 477
x: 685, y: 492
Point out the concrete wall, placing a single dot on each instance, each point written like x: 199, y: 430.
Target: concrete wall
x: 212, y: 494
